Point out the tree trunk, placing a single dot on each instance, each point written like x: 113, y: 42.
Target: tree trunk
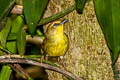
x: 88, y: 55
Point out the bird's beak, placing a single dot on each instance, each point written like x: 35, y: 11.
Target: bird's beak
x: 63, y: 21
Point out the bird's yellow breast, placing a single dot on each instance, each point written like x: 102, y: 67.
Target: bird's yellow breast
x: 56, y: 47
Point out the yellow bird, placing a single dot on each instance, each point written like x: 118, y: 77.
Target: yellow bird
x: 56, y: 41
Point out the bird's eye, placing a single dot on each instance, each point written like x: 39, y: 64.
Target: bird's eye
x: 56, y: 24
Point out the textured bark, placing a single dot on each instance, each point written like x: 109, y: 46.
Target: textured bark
x: 88, y: 55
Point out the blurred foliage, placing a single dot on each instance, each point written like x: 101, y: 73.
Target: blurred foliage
x: 13, y: 32
x: 5, y: 73
x: 21, y: 41
x: 80, y: 5
x: 33, y: 11
x: 108, y: 16
x: 5, y: 6
x: 4, y: 33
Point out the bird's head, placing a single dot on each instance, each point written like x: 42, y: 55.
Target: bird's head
x: 55, y: 28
